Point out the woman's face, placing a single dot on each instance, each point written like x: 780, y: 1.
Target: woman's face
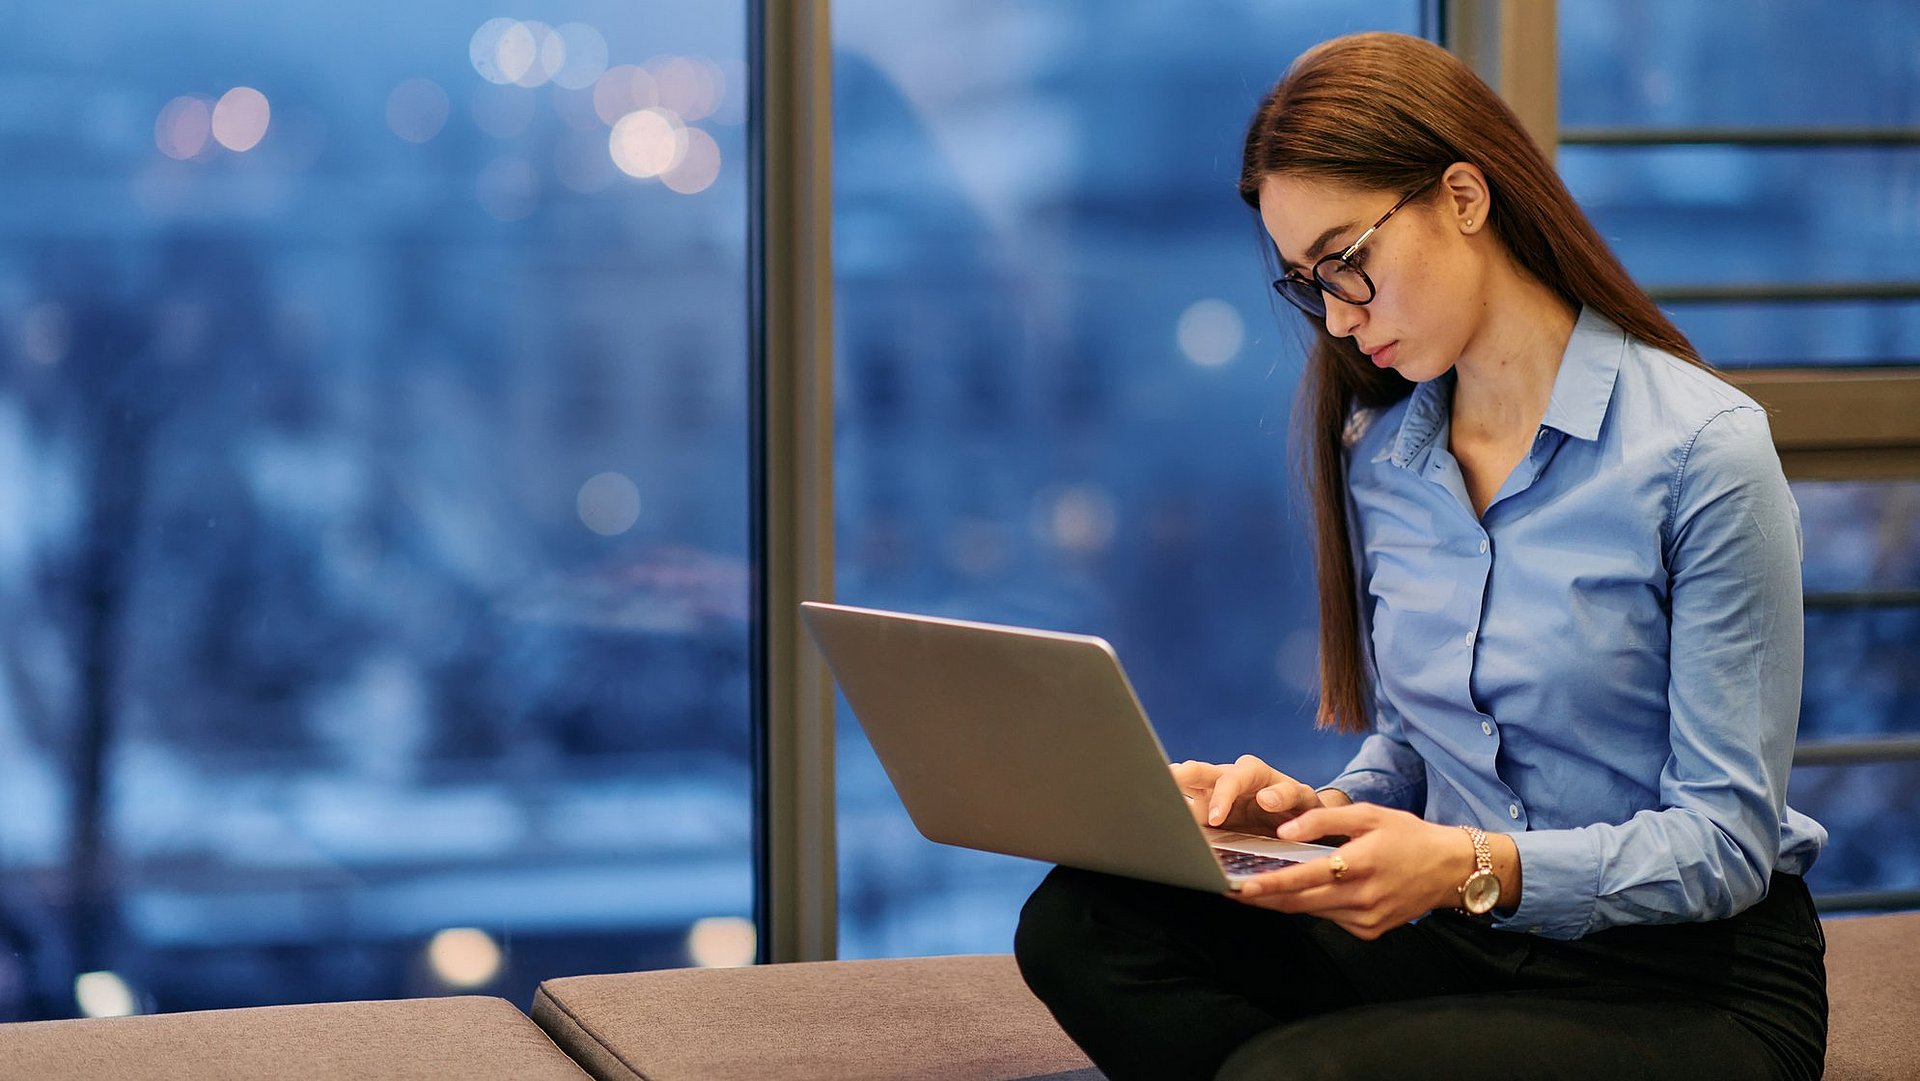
x: 1428, y: 281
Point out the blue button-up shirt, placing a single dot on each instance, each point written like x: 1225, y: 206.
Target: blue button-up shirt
x: 1605, y: 664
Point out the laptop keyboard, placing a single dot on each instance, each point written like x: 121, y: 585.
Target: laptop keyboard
x: 1247, y: 863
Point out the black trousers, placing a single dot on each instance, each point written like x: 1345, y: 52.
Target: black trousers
x: 1161, y: 983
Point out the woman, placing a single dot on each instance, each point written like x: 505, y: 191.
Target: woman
x: 1559, y: 579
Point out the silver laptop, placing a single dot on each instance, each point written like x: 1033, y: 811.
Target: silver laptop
x: 1029, y: 743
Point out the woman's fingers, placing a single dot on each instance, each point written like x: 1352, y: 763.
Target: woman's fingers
x: 1195, y: 780
x: 1286, y: 798
x: 1242, y: 780
x: 1247, y: 787
x: 1351, y: 820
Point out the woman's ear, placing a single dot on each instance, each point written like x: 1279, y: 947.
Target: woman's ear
x: 1468, y: 199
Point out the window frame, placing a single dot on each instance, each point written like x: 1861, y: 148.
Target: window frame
x: 790, y: 158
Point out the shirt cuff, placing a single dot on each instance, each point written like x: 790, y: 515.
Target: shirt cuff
x: 1559, y: 883
x: 1373, y: 786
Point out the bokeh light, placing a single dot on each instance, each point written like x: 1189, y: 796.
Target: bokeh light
x: 240, y: 119
x: 485, y: 48
x: 547, y: 53
x: 698, y: 167
x: 1298, y: 661
x: 104, y: 994
x: 732, y: 109
x: 689, y: 86
x: 1210, y: 332
x: 979, y: 548
x: 646, y: 143
x: 721, y: 942
x: 585, y: 58
x: 609, y: 503
x: 417, y: 110
x: 184, y: 127
x: 1078, y: 519
x: 46, y: 333
x: 507, y: 189
x: 464, y: 957
x: 623, y: 89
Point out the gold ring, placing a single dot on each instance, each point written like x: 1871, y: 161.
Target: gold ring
x: 1339, y: 866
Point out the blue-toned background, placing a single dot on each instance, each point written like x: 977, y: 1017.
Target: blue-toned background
x: 373, y: 492
x: 372, y: 515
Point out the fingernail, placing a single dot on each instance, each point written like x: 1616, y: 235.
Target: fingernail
x: 1286, y: 831
x: 1213, y: 815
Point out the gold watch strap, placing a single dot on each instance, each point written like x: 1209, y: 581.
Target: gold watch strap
x: 1482, y: 850
x: 1482, y: 872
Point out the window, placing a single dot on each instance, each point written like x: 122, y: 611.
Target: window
x: 373, y: 439
x: 1064, y: 394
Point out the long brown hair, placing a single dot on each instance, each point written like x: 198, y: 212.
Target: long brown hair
x: 1390, y: 112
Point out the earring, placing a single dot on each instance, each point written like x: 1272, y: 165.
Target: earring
x: 1469, y: 223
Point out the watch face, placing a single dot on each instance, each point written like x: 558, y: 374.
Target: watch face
x: 1481, y: 893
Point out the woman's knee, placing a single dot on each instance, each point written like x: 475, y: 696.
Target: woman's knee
x: 1054, y: 924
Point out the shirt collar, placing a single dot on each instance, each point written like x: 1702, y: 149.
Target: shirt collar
x: 1581, y: 391
x: 1429, y: 409
x: 1584, y: 387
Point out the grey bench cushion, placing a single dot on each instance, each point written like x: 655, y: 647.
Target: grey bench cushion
x: 435, y: 1039
x: 900, y: 1020
x: 1873, y: 990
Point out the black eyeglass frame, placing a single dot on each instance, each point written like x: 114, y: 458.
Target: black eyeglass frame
x: 1309, y: 295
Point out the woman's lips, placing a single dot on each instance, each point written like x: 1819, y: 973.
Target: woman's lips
x: 1382, y: 355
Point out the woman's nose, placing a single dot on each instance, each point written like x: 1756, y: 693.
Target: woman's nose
x: 1342, y: 317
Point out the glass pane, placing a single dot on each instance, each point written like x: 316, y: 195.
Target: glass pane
x: 1774, y: 63
x: 1063, y: 399
x: 373, y: 440
x: 1869, y: 811
x: 1862, y: 577
x: 1721, y: 215
x: 1795, y: 334
x: 1713, y: 215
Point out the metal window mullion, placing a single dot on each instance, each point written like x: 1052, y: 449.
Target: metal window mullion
x: 1785, y: 292
x: 1866, y: 901
x: 791, y: 459
x: 1853, y: 752
x: 1514, y: 46
x: 1782, y: 137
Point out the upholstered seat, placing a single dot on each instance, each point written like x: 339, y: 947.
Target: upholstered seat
x: 432, y: 1039
x: 960, y: 1018
x: 899, y: 1020
x: 1873, y: 995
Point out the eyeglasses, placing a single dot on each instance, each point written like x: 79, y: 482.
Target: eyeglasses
x: 1338, y: 273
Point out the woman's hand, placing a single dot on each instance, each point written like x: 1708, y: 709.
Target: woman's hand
x: 1398, y: 868
x: 1249, y: 795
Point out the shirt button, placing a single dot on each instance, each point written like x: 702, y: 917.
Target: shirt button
x: 1486, y: 727
x: 1513, y: 810
x: 1469, y: 638
x: 1483, y: 546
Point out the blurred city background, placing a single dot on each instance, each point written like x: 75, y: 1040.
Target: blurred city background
x: 373, y: 445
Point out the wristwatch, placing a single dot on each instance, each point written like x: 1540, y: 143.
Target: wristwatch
x: 1481, y: 891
